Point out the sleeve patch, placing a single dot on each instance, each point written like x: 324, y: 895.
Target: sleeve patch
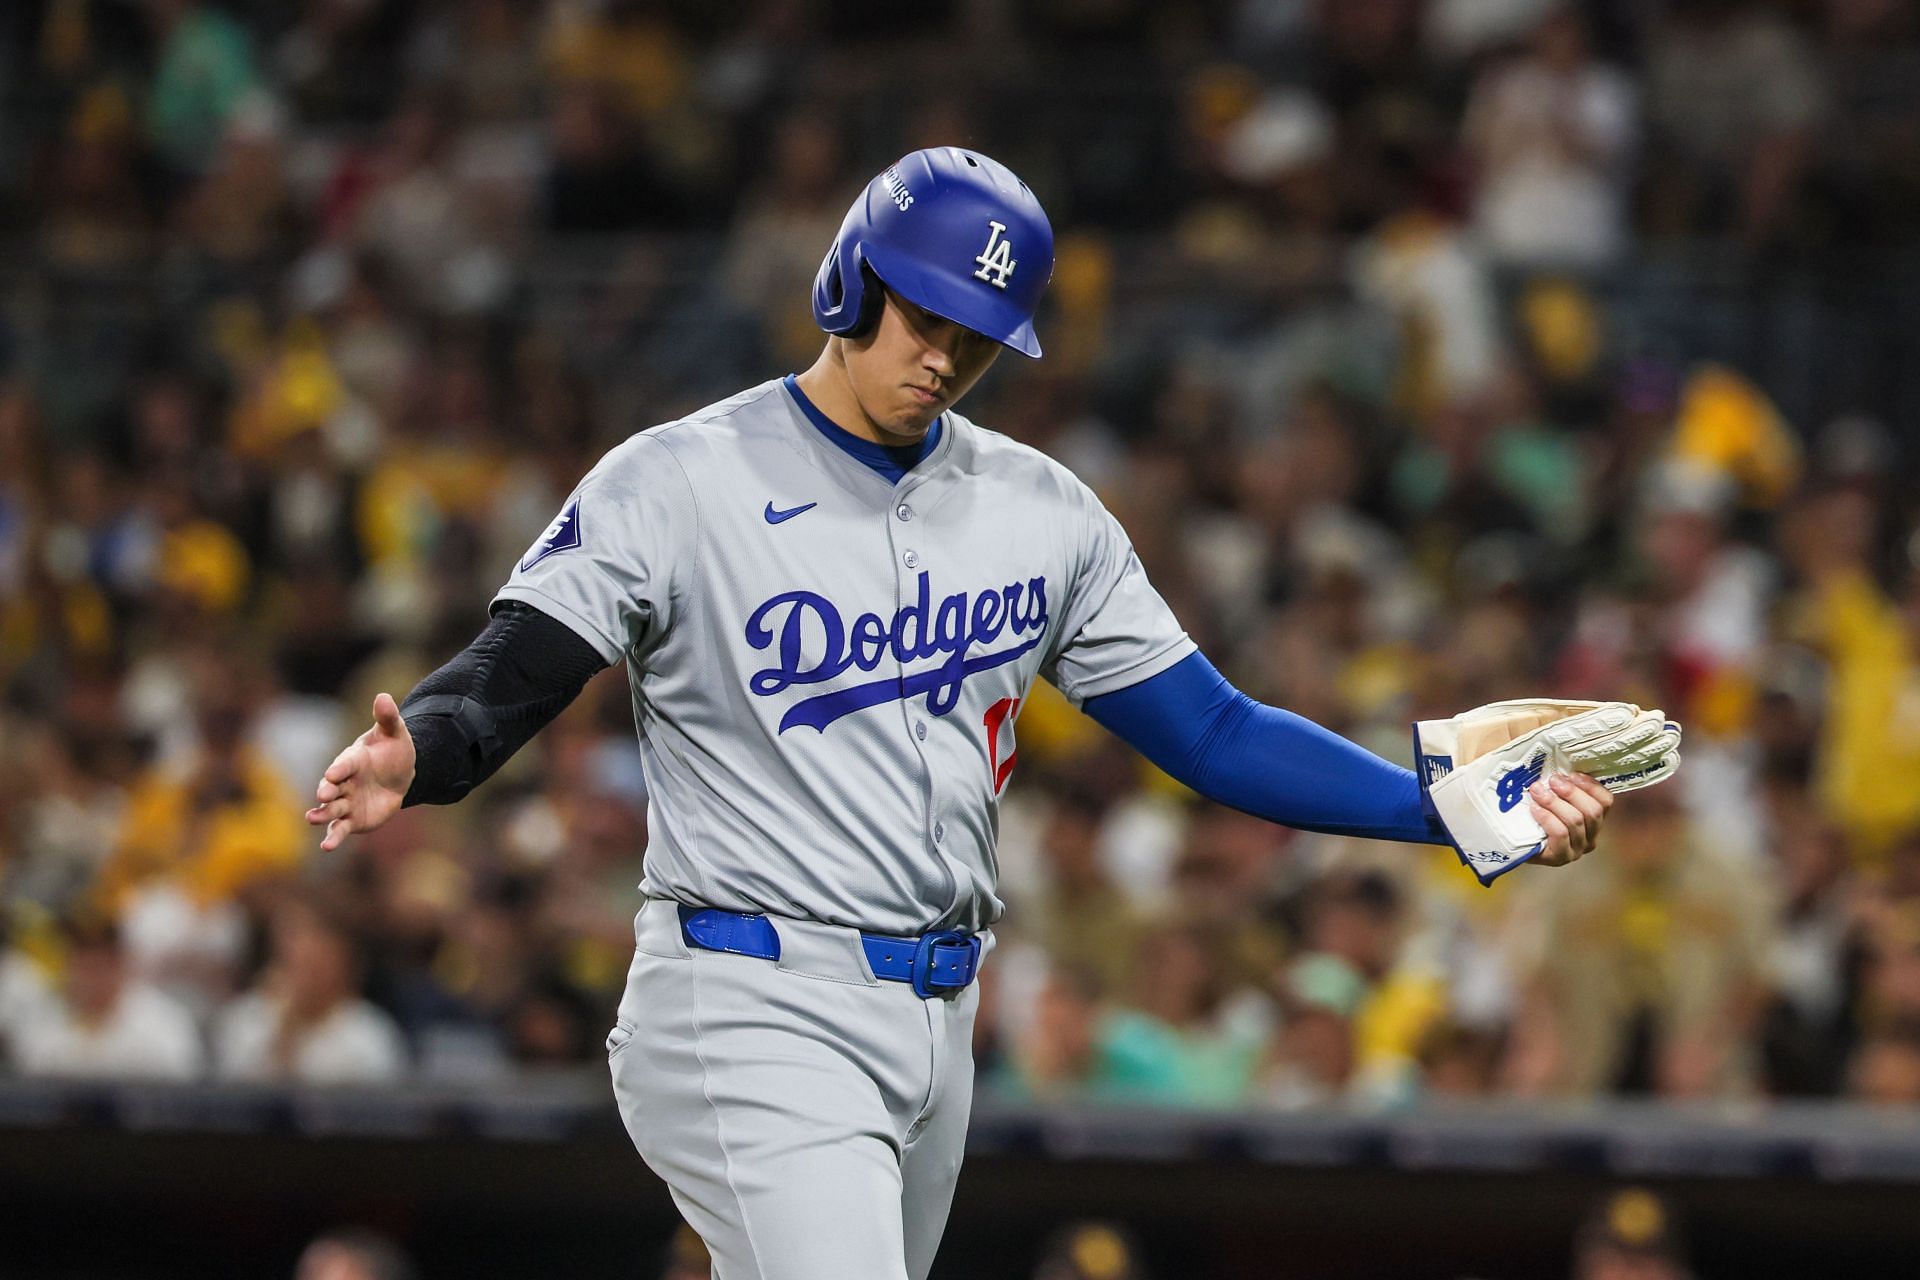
x: 562, y: 535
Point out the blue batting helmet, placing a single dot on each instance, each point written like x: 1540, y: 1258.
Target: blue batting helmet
x: 950, y: 231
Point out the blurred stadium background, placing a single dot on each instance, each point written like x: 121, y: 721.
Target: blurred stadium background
x: 1432, y: 351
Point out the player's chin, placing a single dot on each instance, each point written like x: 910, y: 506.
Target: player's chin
x: 917, y: 414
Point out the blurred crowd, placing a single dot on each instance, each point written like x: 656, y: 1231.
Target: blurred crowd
x: 314, y: 312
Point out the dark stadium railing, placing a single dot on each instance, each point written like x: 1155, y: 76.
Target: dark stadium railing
x: 113, y: 1182
x: 1827, y: 1141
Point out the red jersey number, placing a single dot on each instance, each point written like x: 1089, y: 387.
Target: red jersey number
x: 1000, y: 716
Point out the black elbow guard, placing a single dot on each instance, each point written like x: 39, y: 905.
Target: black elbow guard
x: 469, y: 717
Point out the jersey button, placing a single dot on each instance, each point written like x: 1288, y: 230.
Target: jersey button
x: 939, y: 832
x: 904, y: 511
x: 911, y: 559
x: 920, y: 730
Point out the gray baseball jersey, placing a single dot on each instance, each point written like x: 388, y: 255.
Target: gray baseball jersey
x: 826, y: 666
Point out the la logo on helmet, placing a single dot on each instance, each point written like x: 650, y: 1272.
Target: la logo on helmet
x: 996, y: 260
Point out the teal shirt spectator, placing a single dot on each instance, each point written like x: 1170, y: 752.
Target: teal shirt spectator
x: 1142, y: 1059
x: 205, y: 70
x: 1009, y: 1082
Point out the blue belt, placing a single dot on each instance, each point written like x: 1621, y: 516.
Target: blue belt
x: 933, y: 964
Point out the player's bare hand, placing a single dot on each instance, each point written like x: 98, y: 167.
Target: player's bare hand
x: 1570, y: 808
x: 365, y: 784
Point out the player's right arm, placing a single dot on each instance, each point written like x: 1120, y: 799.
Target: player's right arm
x: 598, y: 586
x: 459, y: 725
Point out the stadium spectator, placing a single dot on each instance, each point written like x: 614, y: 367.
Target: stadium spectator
x: 1311, y: 1061
x: 1644, y: 971
x: 202, y: 830
x: 794, y: 209
x: 1461, y: 1061
x: 1229, y: 879
x: 1352, y: 967
x: 94, y: 216
x: 1088, y: 921
x: 1735, y: 98
x: 1886, y: 1068
x: 353, y: 1254
x: 491, y: 950
x: 552, y: 1024
x: 687, y: 1257
x: 1869, y: 735
x: 1056, y: 1054
x: 104, y: 1023
x: 1812, y: 960
x: 413, y: 209
x: 303, y: 1020
x: 25, y: 993
x: 1090, y: 1251
x: 1184, y: 1035
x: 340, y: 61
x: 66, y: 823
x: 1551, y: 133
x: 1630, y: 1235
x: 1890, y: 986
x: 1864, y: 173
x: 203, y: 72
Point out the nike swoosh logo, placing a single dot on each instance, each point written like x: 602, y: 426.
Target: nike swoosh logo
x: 775, y: 517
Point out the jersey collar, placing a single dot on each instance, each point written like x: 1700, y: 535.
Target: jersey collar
x: 889, y: 463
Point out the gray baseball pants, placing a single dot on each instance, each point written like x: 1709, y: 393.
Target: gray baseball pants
x: 808, y: 1117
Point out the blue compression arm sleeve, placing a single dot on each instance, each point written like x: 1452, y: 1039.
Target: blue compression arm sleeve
x: 1271, y: 763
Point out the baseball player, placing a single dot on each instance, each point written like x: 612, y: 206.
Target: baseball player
x: 832, y: 594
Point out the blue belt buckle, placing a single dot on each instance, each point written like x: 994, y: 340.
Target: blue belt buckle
x: 947, y: 952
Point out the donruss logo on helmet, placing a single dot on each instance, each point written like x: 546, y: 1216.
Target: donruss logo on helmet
x: 902, y: 198
x: 562, y: 535
x: 996, y: 260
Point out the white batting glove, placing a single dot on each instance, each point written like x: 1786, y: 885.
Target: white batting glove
x: 1476, y: 767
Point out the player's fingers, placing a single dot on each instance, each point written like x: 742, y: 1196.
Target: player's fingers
x: 1589, y: 808
x: 1594, y: 789
x: 1559, y: 849
x: 1570, y: 816
x: 1560, y: 824
x: 328, y: 812
x: 1550, y: 822
x: 1560, y: 842
x: 386, y: 713
x: 337, y: 830
x: 344, y: 766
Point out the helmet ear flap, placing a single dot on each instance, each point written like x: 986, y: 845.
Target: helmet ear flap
x: 873, y: 296
x: 830, y: 293
x: 833, y: 288
x: 847, y: 295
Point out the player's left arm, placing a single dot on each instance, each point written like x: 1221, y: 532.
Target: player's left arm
x: 1503, y: 784
x: 1191, y: 722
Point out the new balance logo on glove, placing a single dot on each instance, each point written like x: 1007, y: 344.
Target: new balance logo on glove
x: 1475, y: 769
x: 1514, y: 783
